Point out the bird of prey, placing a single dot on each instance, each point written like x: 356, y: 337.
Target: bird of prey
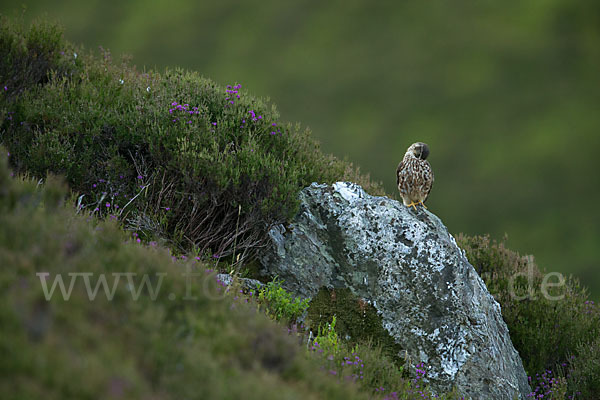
x: 414, y: 175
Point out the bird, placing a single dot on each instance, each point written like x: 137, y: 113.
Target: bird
x: 414, y: 175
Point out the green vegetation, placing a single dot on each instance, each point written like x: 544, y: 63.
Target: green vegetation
x: 555, y: 329
x: 354, y: 319
x: 163, y: 348
x: 188, y: 167
x: 172, y: 155
x: 281, y: 304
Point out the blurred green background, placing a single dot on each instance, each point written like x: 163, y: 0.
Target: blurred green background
x: 507, y: 95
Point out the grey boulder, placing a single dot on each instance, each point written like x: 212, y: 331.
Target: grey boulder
x: 409, y: 268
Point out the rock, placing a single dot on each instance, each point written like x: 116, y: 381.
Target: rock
x: 408, y: 267
x: 247, y: 283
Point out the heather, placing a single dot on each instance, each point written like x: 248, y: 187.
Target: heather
x: 171, y: 163
x: 172, y: 155
x: 555, y: 332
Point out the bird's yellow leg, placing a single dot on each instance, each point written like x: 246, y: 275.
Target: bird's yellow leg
x: 412, y: 204
x: 424, y: 206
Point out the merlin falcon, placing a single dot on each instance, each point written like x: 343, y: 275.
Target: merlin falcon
x: 414, y: 175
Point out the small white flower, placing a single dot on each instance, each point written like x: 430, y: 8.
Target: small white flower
x: 75, y: 55
x: 148, y: 89
x: 121, y: 81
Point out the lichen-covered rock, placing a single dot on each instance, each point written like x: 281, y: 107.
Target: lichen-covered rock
x: 409, y: 268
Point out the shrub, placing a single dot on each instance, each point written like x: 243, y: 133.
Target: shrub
x: 546, y: 386
x: 584, y: 369
x: 545, y: 330
x: 30, y: 55
x: 279, y: 303
x: 171, y: 155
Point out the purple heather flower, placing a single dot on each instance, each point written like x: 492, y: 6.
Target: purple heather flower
x: 107, y: 205
x: 214, y: 123
x: 94, y: 185
x: 5, y: 88
x: 140, y: 177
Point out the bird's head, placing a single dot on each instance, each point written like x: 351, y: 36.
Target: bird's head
x: 420, y: 150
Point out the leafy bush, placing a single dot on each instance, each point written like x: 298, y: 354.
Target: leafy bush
x: 171, y: 155
x: 547, y: 329
x: 281, y: 304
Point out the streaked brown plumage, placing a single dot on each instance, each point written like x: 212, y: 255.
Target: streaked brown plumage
x: 414, y: 175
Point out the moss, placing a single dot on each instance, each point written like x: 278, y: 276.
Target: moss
x: 356, y: 320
